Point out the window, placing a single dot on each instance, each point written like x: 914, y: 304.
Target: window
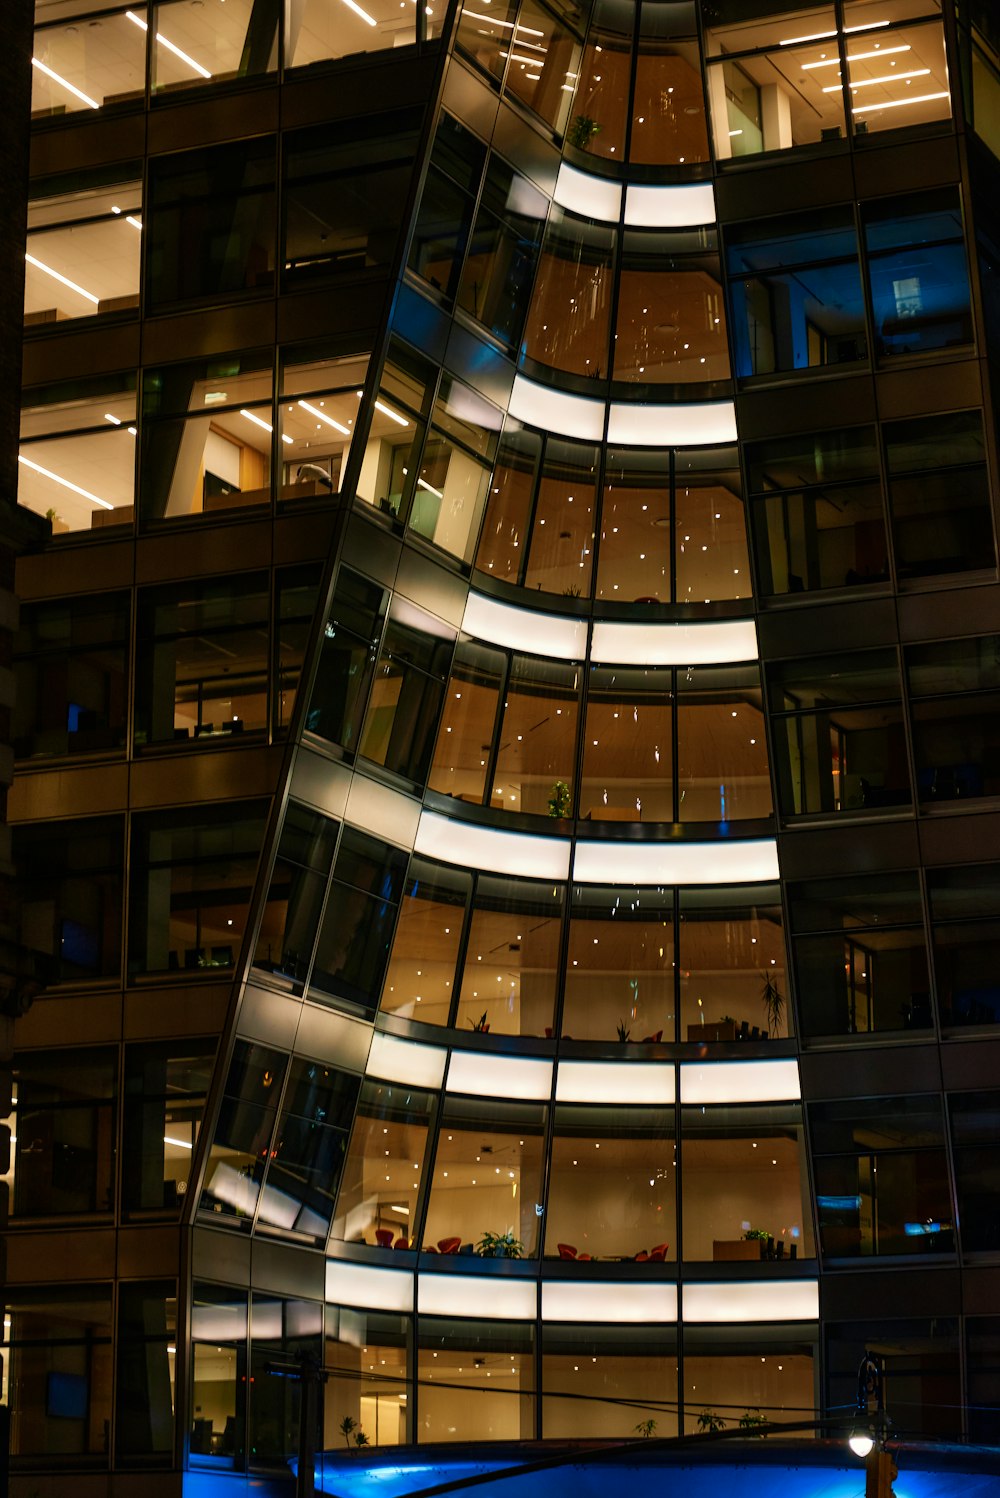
x: 503, y: 250
x: 84, y: 246
x: 457, y: 1399
x: 568, y: 325
x: 670, y: 327
x: 486, y: 1186
x: 356, y: 932
x: 319, y: 29
x: 407, y: 692
x: 955, y: 716
x: 449, y: 493
x: 917, y: 274
x: 60, y: 1365
x: 203, y: 658
x: 839, y: 742
x: 192, y: 877
x: 88, y: 67
x: 509, y: 980
x: 165, y: 1090
x: 392, y: 451
x: 465, y: 738
x: 218, y: 1376
x: 70, y: 664
x: 860, y: 955
x: 548, y: 53
x: 921, y: 1356
x: 561, y: 546
x: 795, y: 291
x: 881, y: 1177
x: 191, y: 49
x: 425, y: 948
x: 504, y: 536
x: 345, y: 195
x: 731, y: 947
x: 818, y: 520
x: 319, y: 404
x: 608, y: 1382
x: 284, y: 1334
x: 537, y: 740
x: 965, y: 912
x: 620, y: 965
x: 347, y: 660
x: 380, y: 1191
x: 76, y: 459
x: 241, y: 1148
x: 938, y: 495
x: 734, y: 1377
x: 447, y: 205
x: 612, y: 1184
x: 374, y: 1390
x: 70, y: 888
x: 297, y: 592
x: 600, y: 106
x: 295, y: 895
x: 744, y: 1172
x: 722, y: 769
x: 977, y: 1168
x: 144, y: 1399
x: 65, y: 1133
x: 628, y: 746
x: 307, y: 1157
x: 211, y: 226
x: 669, y: 123
x: 209, y: 448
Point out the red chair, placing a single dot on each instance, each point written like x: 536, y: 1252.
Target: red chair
x: 429, y: 1248
x: 642, y: 1257
x: 652, y: 1039
x: 384, y: 1237
x: 449, y: 1245
x: 401, y: 1243
x: 583, y: 1258
x: 659, y: 1253
x: 566, y: 1251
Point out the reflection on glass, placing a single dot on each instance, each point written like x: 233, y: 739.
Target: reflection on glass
x: 165, y: 1090
x: 731, y: 947
x: 366, y: 1353
x: 307, y: 1156
x: 487, y: 1181
x: 745, y: 1171
x: 671, y: 320
x: 70, y: 662
x: 542, y: 63
x: 722, y: 770
x: 710, y: 536
x: 537, y: 739
x: 90, y: 65
x: 732, y: 1383
x: 512, y: 957
x: 634, y: 563
x: 628, y: 754
x: 356, y: 930
x: 407, y: 692
x: 316, y: 30
x: 600, y: 104
x: 669, y: 122
x: 380, y: 1189
x: 569, y: 322
x: 503, y: 539
x: 612, y: 1184
x: 917, y: 273
x: 425, y: 947
x: 295, y: 895
x: 938, y: 495
x: 61, y: 1360
x: 242, y: 1143
x: 620, y: 966
x: 219, y: 1376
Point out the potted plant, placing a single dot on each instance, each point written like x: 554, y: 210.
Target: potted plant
x: 582, y: 130
x: 754, y: 1423
x: 773, y: 1001
x: 500, y: 1246
x: 759, y: 1235
x: 623, y: 1033
x: 481, y: 1025
x: 560, y: 799
x: 709, y: 1422
x: 645, y: 1428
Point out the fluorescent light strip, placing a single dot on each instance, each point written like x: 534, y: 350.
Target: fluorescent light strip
x: 370, y: 20
x: 423, y: 484
x: 322, y: 416
x: 135, y: 222
x: 56, y: 479
x: 380, y: 406
x: 171, y: 46
x: 257, y: 421
x: 834, y: 62
x: 40, y: 265
x: 115, y: 420
x: 76, y: 92
x: 886, y: 78
x: 824, y: 36
x: 897, y: 103
x: 531, y: 62
x: 180, y: 1143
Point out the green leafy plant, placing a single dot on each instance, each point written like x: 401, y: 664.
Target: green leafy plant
x: 773, y: 1001
x: 752, y: 1421
x: 482, y: 1024
x: 361, y: 1439
x: 582, y: 130
x: 760, y: 1233
x: 709, y: 1422
x: 645, y: 1428
x: 500, y: 1246
x: 560, y: 799
x: 347, y: 1427
x: 623, y: 1033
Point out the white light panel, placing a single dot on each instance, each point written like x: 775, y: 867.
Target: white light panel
x: 740, y: 1082
x: 553, y: 411
x: 382, y: 811
x: 682, y: 207
x: 562, y: 1300
x: 484, y: 1075
x: 743, y: 861
x: 713, y: 642
x: 377, y: 1289
x: 478, y: 1295
x: 614, y: 1082
x: 692, y: 425
x: 491, y: 848
x: 397, y: 1060
x: 593, y: 197
x: 523, y: 629
x: 779, y: 1300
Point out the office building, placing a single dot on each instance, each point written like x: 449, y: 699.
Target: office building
x: 507, y: 726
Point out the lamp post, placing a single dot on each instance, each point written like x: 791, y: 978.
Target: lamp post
x: 868, y: 1437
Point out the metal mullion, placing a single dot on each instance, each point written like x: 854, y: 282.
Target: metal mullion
x: 633, y: 74
x: 536, y: 485
x: 463, y: 948
x: 494, y: 754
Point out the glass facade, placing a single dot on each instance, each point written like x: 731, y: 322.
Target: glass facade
x: 508, y: 629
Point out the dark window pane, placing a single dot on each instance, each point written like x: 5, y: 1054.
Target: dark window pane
x: 295, y: 896
x: 147, y: 1337
x: 65, y: 1120
x: 917, y: 272
x: 60, y: 1364
x: 70, y: 662
x: 347, y: 660
x: 210, y: 222
x: 408, y: 693
x: 70, y: 888
x: 939, y: 495
x: 358, y: 922
x: 165, y: 1090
